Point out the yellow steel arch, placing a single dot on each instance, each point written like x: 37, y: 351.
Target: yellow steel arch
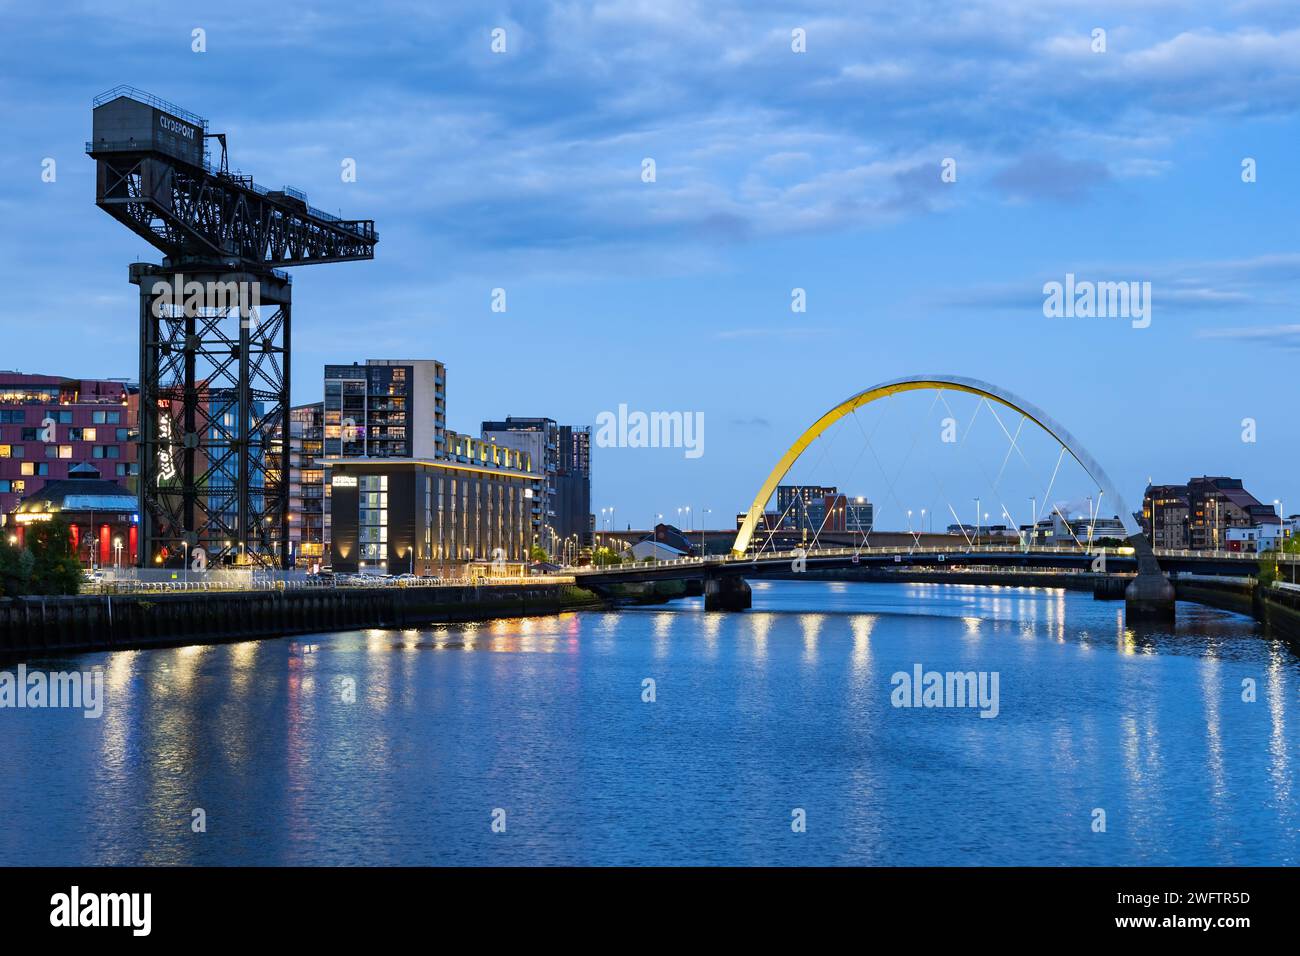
x: 956, y: 383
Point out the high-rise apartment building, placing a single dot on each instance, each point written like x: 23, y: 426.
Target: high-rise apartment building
x: 387, y: 408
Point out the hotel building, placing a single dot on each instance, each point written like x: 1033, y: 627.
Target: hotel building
x: 432, y: 516
x: 49, y: 423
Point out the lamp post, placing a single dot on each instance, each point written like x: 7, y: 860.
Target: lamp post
x: 977, y: 522
x: 703, y: 512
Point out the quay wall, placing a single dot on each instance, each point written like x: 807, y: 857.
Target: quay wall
x: 35, y: 626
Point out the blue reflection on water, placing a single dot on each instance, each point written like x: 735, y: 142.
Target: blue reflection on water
x: 782, y: 707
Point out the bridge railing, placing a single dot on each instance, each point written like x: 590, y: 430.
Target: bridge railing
x: 814, y: 553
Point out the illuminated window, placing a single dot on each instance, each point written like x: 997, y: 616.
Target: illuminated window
x: 65, y: 451
x: 5, y: 451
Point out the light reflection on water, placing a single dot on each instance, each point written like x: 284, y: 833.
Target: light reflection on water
x: 784, y: 706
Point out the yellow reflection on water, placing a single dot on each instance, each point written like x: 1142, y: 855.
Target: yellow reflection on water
x: 760, y: 624
x: 861, y: 625
x: 712, y: 628
x: 1279, y: 767
x: 1211, y: 687
x: 811, y: 624
x: 662, y: 628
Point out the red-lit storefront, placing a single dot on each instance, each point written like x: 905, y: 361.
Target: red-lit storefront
x: 100, y: 514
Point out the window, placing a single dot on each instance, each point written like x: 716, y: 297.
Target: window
x: 5, y: 486
x: 105, y: 418
x: 124, y: 434
x: 13, y: 416
x: 29, y: 468
x: 6, y: 451
x: 62, y: 417
x: 51, y: 451
x: 19, y: 486
x: 65, y: 451
x: 29, y: 434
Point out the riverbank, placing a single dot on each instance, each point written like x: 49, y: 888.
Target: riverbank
x: 32, y: 626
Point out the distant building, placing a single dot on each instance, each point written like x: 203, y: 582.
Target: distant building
x: 1165, y: 517
x: 665, y: 543
x: 1254, y: 539
x: 1054, y: 530
x: 839, y: 513
x: 573, y: 484
x: 1199, y: 514
x: 562, y: 457
x: 793, y: 503
x: 49, y: 423
x: 305, y: 472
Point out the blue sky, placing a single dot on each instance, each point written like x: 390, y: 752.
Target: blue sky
x: 775, y: 170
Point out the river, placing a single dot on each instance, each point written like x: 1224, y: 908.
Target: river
x: 767, y: 737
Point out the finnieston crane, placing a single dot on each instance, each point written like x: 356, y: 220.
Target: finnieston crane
x: 214, y: 367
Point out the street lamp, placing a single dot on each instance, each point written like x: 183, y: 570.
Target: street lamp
x: 977, y: 521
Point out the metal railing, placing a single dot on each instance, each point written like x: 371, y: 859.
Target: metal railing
x: 224, y: 580
x: 922, y: 550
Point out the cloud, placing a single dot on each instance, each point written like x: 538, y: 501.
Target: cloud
x: 1274, y: 336
x: 1048, y: 175
x: 540, y: 150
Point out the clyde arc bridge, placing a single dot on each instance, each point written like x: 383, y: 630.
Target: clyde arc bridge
x: 757, y: 553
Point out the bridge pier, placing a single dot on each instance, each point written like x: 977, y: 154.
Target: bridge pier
x: 728, y: 592
x: 1150, y: 596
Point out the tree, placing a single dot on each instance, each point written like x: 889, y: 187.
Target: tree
x: 15, y: 569
x: 54, y: 568
x: 602, y: 557
x: 539, y: 554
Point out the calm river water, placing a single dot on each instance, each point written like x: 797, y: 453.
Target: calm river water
x: 404, y: 746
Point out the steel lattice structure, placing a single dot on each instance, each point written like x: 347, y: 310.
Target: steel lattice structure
x: 215, y: 321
